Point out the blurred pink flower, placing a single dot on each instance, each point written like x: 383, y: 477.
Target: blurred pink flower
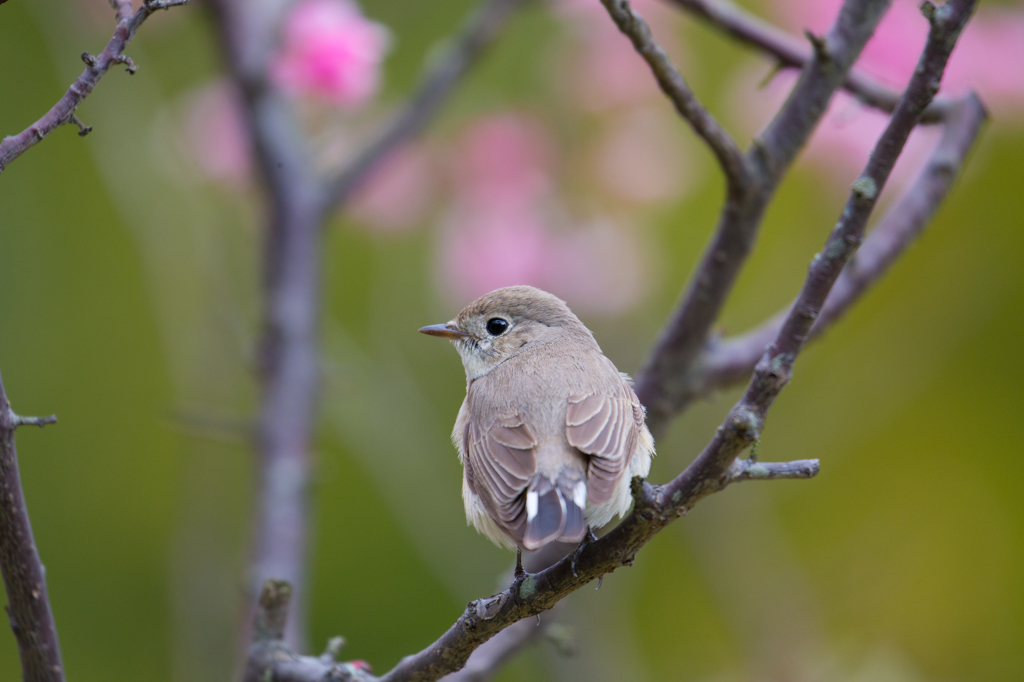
x: 502, y: 162
x: 505, y: 227
x: 641, y: 158
x: 603, y: 71
x: 331, y: 51
x: 215, y: 133
x: 482, y: 251
x: 596, y: 267
x: 399, y: 194
x: 987, y: 58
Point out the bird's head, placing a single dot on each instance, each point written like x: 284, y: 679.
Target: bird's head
x: 505, y: 322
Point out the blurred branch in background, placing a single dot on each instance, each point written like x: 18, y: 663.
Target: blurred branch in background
x: 28, y: 601
x: 63, y: 112
x: 300, y: 200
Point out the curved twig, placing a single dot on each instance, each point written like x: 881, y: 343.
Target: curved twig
x: 63, y: 111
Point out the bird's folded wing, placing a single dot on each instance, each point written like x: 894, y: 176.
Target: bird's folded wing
x: 501, y: 463
x: 606, y: 427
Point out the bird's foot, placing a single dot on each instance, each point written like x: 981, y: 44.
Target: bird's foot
x: 587, y: 539
x: 519, y: 575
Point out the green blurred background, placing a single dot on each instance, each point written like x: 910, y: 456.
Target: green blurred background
x: 128, y: 306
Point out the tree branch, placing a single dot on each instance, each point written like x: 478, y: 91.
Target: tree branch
x: 64, y: 110
x: 28, y: 608
x: 662, y: 381
x: 746, y: 419
x: 730, y: 361
x: 792, y: 52
x: 477, y: 34
x: 686, y: 103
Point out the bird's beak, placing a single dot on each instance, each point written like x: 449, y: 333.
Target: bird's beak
x: 445, y: 331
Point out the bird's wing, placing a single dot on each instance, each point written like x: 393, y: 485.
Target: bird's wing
x: 605, y: 425
x: 499, y: 466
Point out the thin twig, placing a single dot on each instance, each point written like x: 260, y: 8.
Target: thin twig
x: 63, y: 111
x: 792, y: 52
x: 686, y: 103
x: 730, y: 361
x: 444, y: 73
x: 28, y: 609
x: 662, y: 382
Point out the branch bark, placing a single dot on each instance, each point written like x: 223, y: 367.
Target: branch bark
x: 661, y: 382
x: 28, y: 608
x: 63, y: 112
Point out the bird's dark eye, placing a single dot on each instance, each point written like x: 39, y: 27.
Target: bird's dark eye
x: 496, y: 326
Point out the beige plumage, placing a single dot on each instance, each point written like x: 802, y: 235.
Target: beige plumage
x: 550, y: 432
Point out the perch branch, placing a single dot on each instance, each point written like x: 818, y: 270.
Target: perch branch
x: 63, y: 111
x: 28, y: 602
x: 451, y: 64
x: 662, y: 381
x: 676, y: 89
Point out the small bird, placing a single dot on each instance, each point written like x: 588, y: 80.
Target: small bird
x: 550, y: 432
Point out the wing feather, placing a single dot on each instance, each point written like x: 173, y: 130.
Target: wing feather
x: 607, y: 427
x: 502, y: 459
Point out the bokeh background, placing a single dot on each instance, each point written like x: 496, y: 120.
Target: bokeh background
x: 129, y: 304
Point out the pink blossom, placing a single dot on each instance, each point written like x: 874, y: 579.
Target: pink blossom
x: 597, y: 267
x: 215, y: 133
x: 503, y: 161
x: 330, y: 51
x: 506, y: 226
x: 398, y: 195
x: 640, y: 157
x: 482, y: 251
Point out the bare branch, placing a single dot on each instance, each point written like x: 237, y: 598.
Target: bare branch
x: 662, y: 382
x: 792, y: 52
x: 686, y: 103
x: 28, y: 609
x: 730, y: 361
x: 746, y: 419
x: 64, y: 110
x: 451, y: 64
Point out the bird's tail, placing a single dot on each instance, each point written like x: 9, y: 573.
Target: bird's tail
x: 554, y: 509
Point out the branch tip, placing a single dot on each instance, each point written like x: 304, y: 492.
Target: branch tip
x: 272, y: 611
